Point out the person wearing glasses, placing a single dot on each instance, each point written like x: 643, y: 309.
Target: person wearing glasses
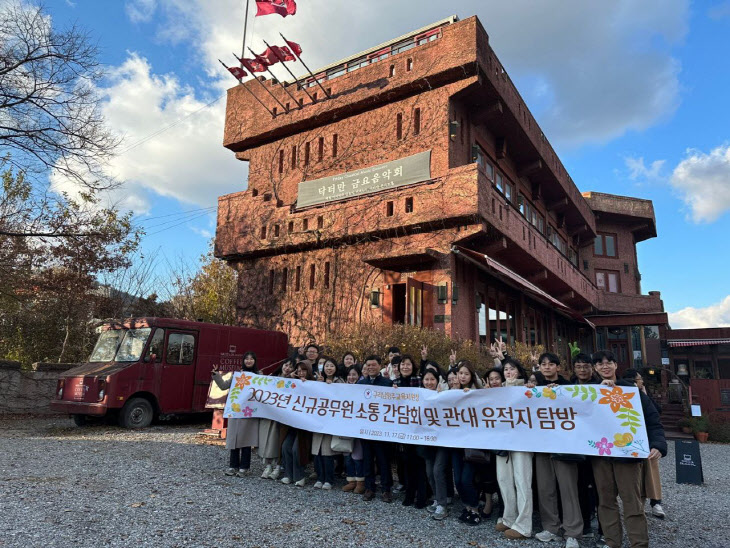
x: 622, y: 477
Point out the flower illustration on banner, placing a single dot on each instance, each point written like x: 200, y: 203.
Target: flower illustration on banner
x: 528, y: 393
x: 248, y: 412
x: 622, y: 440
x: 280, y: 384
x: 604, y: 446
x: 243, y: 381
x: 236, y: 407
x: 293, y: 385
x: 616, y: 398
x: 549, y: 393
x: 634, y: 454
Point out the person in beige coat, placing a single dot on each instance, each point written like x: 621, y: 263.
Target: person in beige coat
x: 241, y: 434
x: 324, y: 462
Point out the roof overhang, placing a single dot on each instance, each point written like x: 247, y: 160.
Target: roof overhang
x: 511, y: 278
x: 696, y: 342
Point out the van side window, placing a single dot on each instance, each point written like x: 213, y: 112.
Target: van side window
x: 180, y: 349
x: 156, y: 345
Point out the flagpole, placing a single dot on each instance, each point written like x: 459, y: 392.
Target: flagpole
x: 296, y: 80
x: 265, y: 88
x: 245, y: 27
x: 240, y: 83
x: 273, y: 76
x: 309, y: 71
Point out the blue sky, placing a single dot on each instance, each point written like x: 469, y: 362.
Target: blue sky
x: 632, y: 95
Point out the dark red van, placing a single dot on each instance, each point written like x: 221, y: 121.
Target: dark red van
x: 145, y: 367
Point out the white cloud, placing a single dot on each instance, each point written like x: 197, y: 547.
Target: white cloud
x: 703, y: 181
x: 638, y: 170
x: 140, y: 11
x: 715, y: 315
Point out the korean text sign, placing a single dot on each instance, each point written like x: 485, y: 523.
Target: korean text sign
x: 405, y: 171
x: 589, y: 420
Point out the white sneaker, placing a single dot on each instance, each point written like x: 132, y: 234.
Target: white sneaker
x: 657, y: 511
x: 398, y: 488
x: 285, y: 481
x: 570, y: 542
x: 546, y: 536
x: 431, y: 509
x: 327, y: 486
x: 440, y: 513
x: 275, y: 473
x: 243, y: 472
x: 267, y: 472
x: 301, y: 483
x: 231, y: 472
x: 317, y: 485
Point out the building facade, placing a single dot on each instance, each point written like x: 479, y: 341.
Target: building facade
x: 416, y: 187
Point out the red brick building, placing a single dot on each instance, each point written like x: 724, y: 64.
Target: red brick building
x: 478, y: 229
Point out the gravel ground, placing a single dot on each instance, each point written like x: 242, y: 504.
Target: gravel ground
x: 66, y: 486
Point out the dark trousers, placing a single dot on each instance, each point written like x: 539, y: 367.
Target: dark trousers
x: 325, y: 468
x: 240, y: 459
x: 587, y: 497
x: 464, y: 479
x: 415, y: 475
x: 377, y: 451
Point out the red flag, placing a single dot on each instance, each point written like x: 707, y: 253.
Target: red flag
x: 253, y: 65
x: 238, y: 72
x: 296, y: 48
x: 282, y: 7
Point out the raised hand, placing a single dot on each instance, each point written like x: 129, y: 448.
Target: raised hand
x: 424, y: 352
x: 452, y: 357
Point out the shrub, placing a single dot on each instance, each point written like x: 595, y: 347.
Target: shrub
x: 699, y: 424
x: 719, y: 426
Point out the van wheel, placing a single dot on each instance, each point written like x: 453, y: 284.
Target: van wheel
x: 80, y: 420
x: 136, y: 413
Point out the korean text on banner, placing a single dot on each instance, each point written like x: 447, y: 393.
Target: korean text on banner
x: 588, y: 420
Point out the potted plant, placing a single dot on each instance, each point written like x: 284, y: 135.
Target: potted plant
x: 685, y: 424
x: 700, y: 426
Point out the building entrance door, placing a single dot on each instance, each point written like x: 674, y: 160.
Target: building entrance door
x: 620, y: 350
x: 399, y: 303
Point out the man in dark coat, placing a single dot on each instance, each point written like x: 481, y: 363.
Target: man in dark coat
x: 621, y: 476
x: 376, y: 450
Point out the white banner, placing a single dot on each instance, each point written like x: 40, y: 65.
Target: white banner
x: 588, y: 420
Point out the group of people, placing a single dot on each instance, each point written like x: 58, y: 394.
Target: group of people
x: 568, y: 489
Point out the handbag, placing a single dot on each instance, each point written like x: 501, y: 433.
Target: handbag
x: 342, y: 444
x: 477, y: 456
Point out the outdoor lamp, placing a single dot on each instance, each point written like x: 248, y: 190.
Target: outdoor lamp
x: 682, y: 370
x: 442, y: 293
x: 375, y: 299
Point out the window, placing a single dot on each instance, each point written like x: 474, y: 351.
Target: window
x: 311, y: 276
x: 334, y: 145
x: 558, y: 241
x: 281, y: 160
x: 276, y: 231
x: 271, y: 282
x: 326, y: 275
x: 291, y: 227
x: 399, y: 126
x: 274, y: 110
x: 417, y: 121
x: 284, y: 279
x: 605, y: 245
x: 263, y: 232
x: 298, y: 279
x: 608, y: 280
x: 314, y: 96
x: 389, y: 209
x: 508, y: 191
x: 538, y: 221
x: 409, y: 205
x: 499, y: 182
x: 301, y: 102
x: 320, y: 222
x: 180, y: 349
x: 391, y: 73
x: 293, y: 156
x: 305, y: 224
x: 156, y: 343
x: 480, y: 157
x: 306, y: 153
x: 288, y: 106
x: 320, y: 149
x: 254, y: 192
x: 409, y: 65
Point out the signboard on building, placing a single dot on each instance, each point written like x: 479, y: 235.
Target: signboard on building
x: 405, y: 171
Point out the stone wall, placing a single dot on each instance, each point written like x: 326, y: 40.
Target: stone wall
x: 29, y: 391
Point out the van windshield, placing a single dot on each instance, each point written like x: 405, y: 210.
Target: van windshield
x: 121, y: 345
